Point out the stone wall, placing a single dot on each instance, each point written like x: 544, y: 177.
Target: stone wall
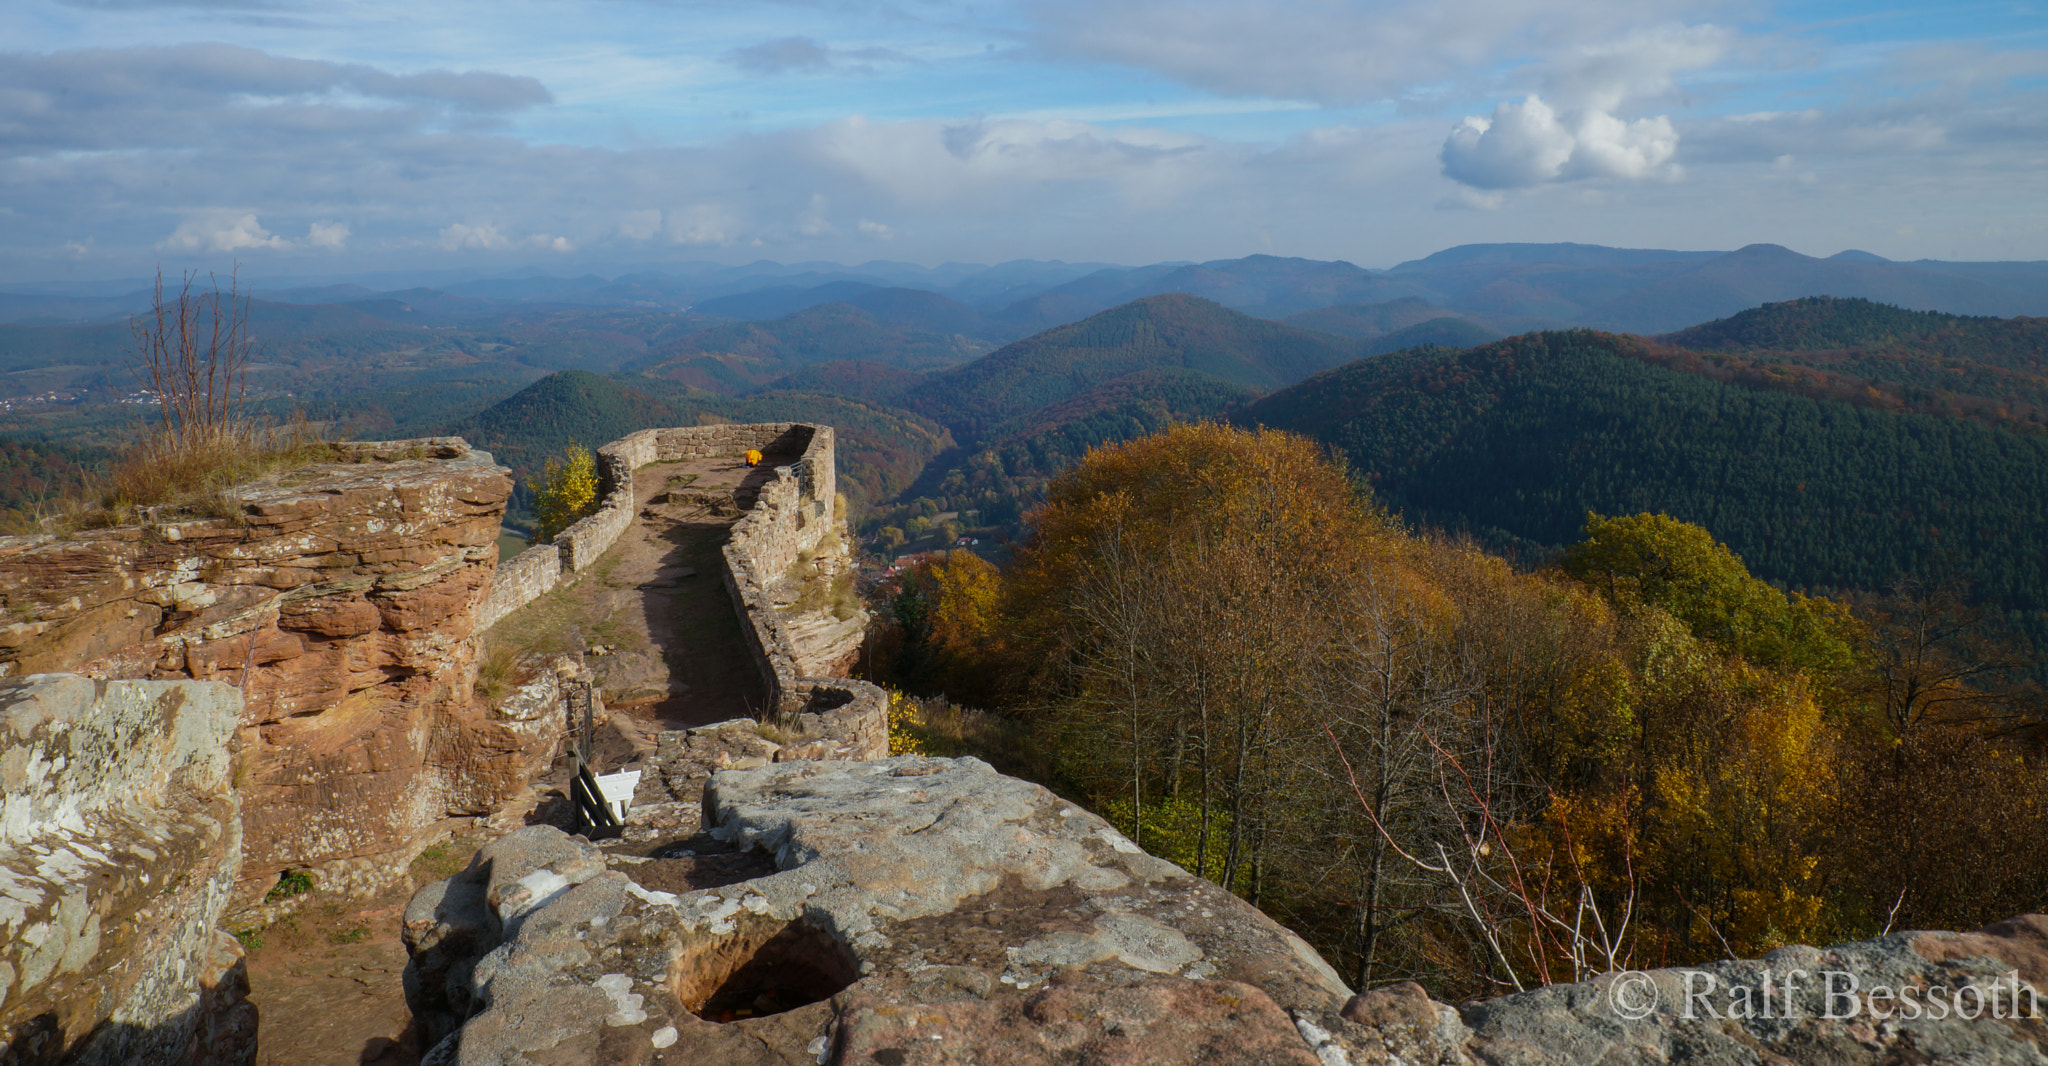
x: 342, y: 597
x: 120, y: 843
x: 789, y: 517
x: 538, y: 569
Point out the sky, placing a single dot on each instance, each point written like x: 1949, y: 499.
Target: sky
x: 304, y: 138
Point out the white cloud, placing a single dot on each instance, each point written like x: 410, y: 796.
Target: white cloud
x: 930, y: 162
x: 1530, y: 143
x: 639, y: 225
x: 876, y: 230
x: 463, y: 237
x: 1575, y: 134
x: 221, y: 231
x: 1642, y: 64
x: 703, y: 224
x: 811, y: 222
x: 330, y: 235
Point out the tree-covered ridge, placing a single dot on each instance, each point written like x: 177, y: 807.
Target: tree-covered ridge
x: 881, y: 449
x: 540, y: 421
x: 1520, y: 439
x: 1437, y: 766
x: 1445, y: 332
x: 1003, y: 480
x: 34, y: 475
x: 733, y: 357
x: 860, y: 379
x: 1813, y: 324
x: 1186, y: 332
x: 1994, y: 370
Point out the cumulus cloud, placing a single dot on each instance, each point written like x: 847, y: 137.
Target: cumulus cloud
x: 329, y: 235
x: 1528, y: 144
x: 1576, y: 134
x: 221, y: 231
x: 464, y: 237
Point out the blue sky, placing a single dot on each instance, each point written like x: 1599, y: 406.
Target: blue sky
x: 320, y: 138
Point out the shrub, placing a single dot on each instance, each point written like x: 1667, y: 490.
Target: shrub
x: 192, y: 351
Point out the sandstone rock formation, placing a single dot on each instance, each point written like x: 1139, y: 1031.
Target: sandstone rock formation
x: 119, y: 843
x: 342, y: 598
x: 850, y: 912
x: 913, y: 911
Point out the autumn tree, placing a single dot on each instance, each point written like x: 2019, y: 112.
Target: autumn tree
x: 565, y: 493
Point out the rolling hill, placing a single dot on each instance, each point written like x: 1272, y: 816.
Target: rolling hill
x: 881, y: 449
x: 744, y: 356
x: 1994, y: 370
x: 981, y: 400
x: 854, y: 378
x: 1517, y: 440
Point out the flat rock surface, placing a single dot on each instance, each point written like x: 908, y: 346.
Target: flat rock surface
x: 878, y: 898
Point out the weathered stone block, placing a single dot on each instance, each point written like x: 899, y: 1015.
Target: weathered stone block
x: 120, y: 838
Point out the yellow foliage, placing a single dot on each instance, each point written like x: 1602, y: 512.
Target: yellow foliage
x: 903, y: 722
x: 968, y: 590
x: 565, y: 493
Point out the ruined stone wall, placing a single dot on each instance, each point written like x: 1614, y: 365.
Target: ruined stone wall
x: 790, y: 516
x: 538, y: 569
x: 342, y: 598
x: 120, y: 843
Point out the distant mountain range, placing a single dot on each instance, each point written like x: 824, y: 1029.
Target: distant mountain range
x: 1506, y: 288
x: 1767, y: 395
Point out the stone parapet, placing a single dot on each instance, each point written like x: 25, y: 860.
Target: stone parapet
x: 788, y: 517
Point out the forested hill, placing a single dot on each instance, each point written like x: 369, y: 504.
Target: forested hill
x: 1519, y: 439
x: 572, y: 405
x: 1158, y: 332
x: 881, y: 449
x: 1992, y: 369
x: 1816, y: 323
x: 743, y: 356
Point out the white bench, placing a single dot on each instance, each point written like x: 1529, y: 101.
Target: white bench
x: 618, y: 791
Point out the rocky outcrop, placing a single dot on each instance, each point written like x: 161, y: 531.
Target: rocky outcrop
x: 1905, y: 998
x: 887, y: 911
x: 342, y: 598
x: 914, y: 912
x: 119, y: 845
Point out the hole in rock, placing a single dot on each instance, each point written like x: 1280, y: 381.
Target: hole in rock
x: 762, y: 971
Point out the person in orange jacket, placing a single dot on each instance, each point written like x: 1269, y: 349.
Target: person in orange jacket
x: 753, y: 457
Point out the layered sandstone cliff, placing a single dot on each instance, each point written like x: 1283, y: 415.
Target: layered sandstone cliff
x: 342, y: 599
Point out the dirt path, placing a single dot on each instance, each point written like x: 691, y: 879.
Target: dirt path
x: 328, y: 982
x: 656, y: 625
x: 652, y: 616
